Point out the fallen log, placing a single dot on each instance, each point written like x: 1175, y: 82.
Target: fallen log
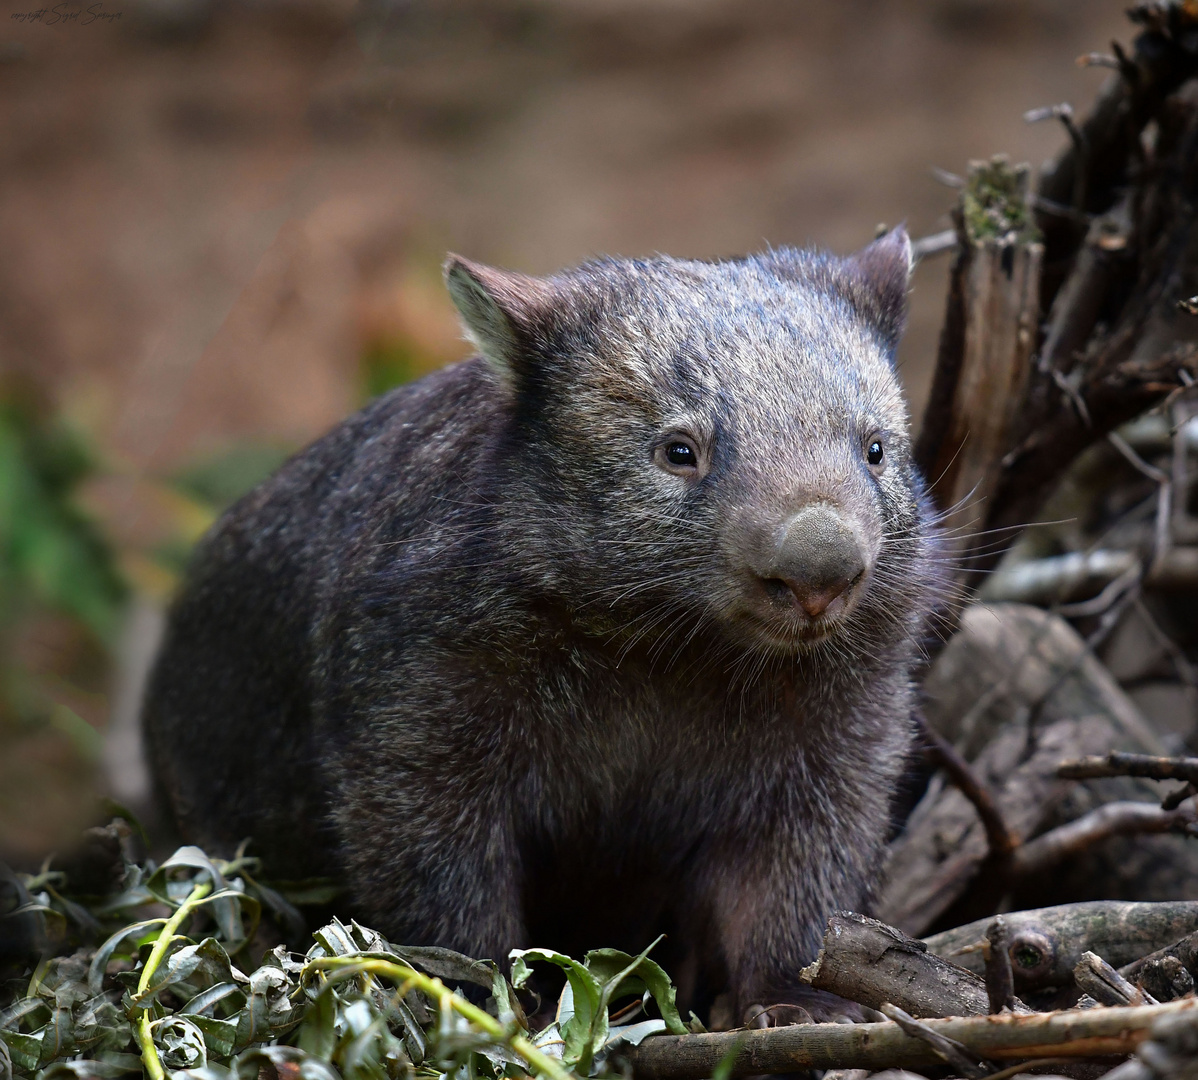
x: 1014, y: 683
x: 1165, y: 978
x: 873, y: 964
x: 1046, y: 944
x: 1069, y: 1034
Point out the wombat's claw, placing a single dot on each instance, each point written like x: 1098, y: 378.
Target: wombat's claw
x: 759, y: 1016
x: 812, y: 1007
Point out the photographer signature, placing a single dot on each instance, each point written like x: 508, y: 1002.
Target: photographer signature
x: 68, y: 14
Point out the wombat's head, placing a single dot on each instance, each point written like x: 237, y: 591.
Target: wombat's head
x: 698, y: 443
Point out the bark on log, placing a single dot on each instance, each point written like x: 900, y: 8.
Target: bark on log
x: 953, y: 1053
x: 873, y: 964
x: 1047, y: 943
x: 990, y: 331
x: 1165, y: 978
x: 1089, y: 1033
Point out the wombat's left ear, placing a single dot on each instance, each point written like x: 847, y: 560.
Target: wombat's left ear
x: 500, y: 311
x: 877, y: 278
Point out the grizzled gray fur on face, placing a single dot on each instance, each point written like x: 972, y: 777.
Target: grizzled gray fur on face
x: 604, y: 632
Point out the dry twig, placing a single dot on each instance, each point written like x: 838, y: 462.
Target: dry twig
x: 1105, y: 985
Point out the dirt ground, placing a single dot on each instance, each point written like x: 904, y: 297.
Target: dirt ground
x: 209, y: 211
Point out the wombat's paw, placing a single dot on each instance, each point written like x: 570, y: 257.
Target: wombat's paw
x: 808, y: 1006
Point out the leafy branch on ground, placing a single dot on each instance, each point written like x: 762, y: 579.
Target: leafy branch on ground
x: 179, y: 981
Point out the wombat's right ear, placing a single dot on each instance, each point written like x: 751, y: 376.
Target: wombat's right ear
x: 878, y: 277
x: 499, y: 308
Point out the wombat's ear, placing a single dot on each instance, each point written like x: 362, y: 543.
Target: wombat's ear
x: 500, y: 309
x: 877, y: 278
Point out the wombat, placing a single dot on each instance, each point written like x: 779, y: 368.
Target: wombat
x: 605, y: 631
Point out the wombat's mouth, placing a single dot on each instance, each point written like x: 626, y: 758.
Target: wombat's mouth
x: 773, y: 615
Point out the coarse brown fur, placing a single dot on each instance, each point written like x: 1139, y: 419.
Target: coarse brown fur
x: 607, y: 631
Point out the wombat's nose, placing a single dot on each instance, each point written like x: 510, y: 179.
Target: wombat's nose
x: 818, y: 559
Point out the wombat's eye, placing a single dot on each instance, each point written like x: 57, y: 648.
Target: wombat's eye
x: 678, y: 454
x: 874, y: 452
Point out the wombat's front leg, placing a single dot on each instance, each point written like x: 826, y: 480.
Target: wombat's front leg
x: 433, y: 868
x: 770, y: 904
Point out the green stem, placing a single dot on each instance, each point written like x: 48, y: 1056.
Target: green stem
x: 145, y: 1039
x: 540, y: 1063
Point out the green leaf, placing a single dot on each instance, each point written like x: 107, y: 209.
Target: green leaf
x: 180, y: 1042
x: 508, y: 1009
x: 13, y: 1015
x: 621, y: 974
x: 99, y: 964
x: 26, y: 1050
x: 208, y: 1072
x: 171, y: 891
x: 206, y: 961
x: 413, y: 1034
x: 586, y: 1028
x: 58, y: 1036
x: 230, y: 907
x: 205, y: 999
x: 445, y: 964
x: 89, y: 1068
x: 99, y: 1024
x: 318, y: 1033
x: 268, y: 1010
x: 335, y: 939
x: 220, y: 1036
x: 362, y: 1055
x: 633, y: 1034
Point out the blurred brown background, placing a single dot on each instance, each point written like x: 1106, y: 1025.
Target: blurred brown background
x: 221, y: 225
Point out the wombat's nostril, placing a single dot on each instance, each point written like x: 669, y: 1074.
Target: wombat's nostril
x: 777, y: 588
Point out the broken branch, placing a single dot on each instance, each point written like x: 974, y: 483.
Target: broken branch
x: 1087, y: 1033
x: 872, y: 964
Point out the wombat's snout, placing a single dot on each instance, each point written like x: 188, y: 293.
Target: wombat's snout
x: 815, y: 562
